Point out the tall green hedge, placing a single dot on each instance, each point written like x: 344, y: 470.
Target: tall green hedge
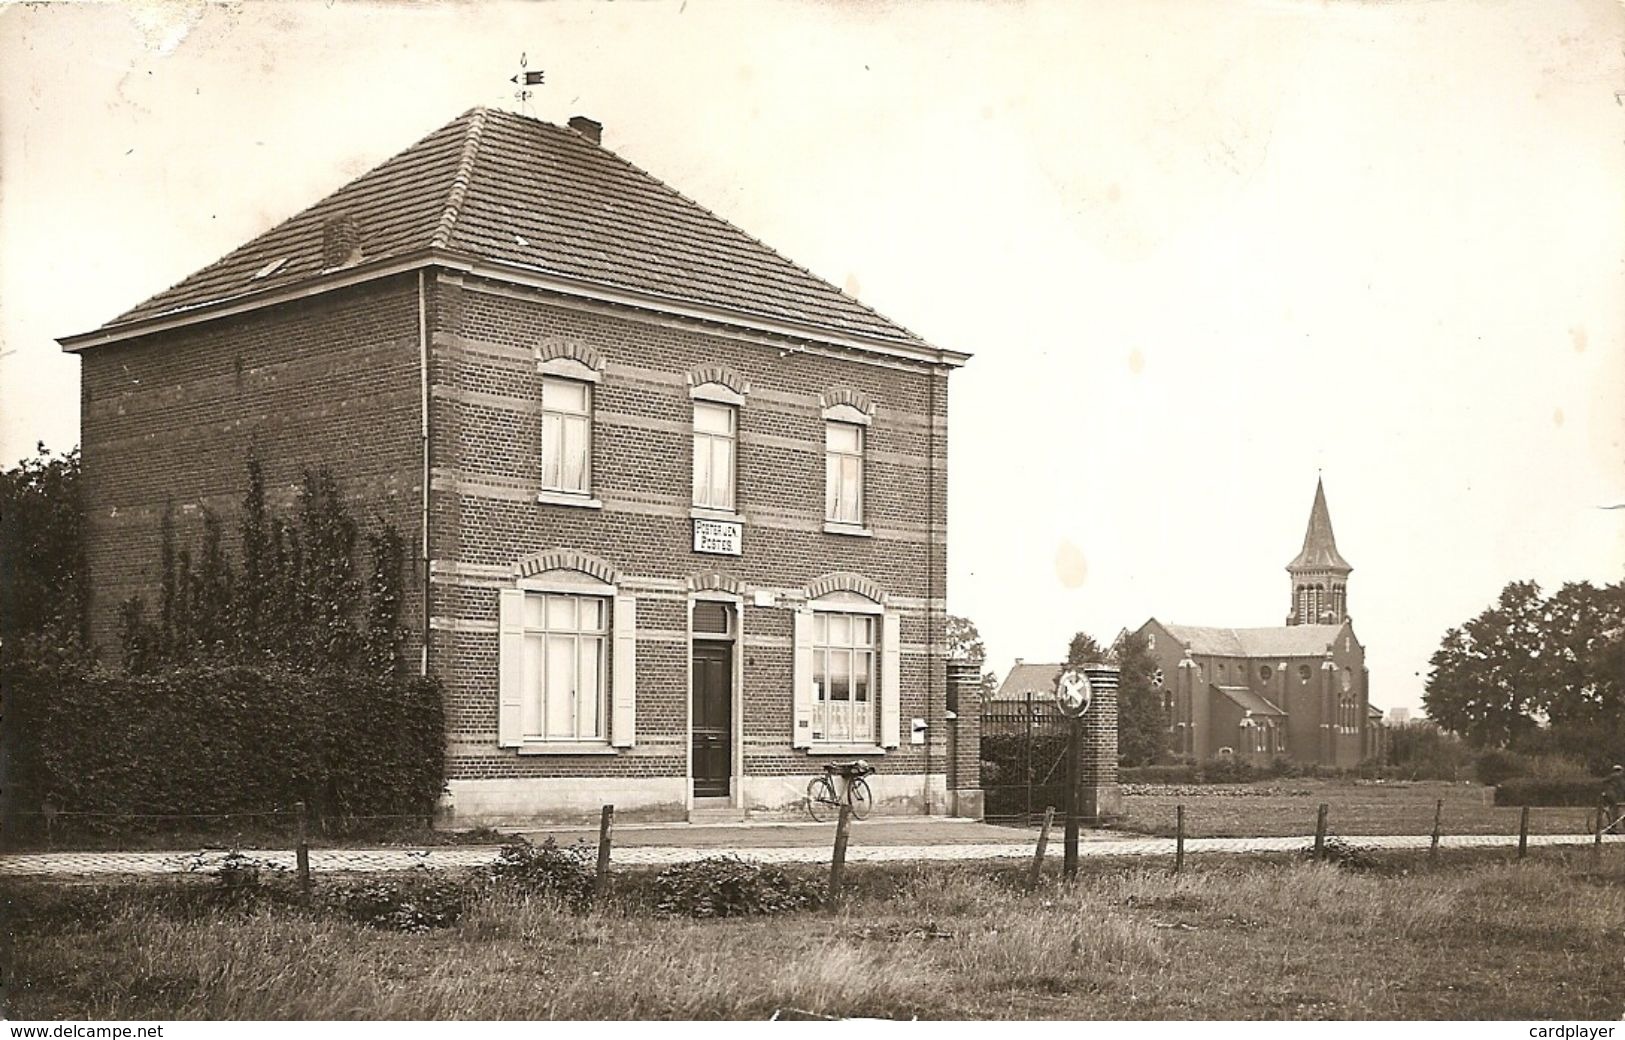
x: 1530, y: 790
x: 230, y: 738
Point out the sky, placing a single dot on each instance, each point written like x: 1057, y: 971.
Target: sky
x: 1201, y: 252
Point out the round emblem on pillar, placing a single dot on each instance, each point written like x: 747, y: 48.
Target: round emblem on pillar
x: 1073, y: 693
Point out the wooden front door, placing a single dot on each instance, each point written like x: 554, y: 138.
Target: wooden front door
x: 713, y: 718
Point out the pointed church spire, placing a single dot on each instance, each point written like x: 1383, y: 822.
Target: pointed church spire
x: 1319, y: 573
x: 1319, y: 546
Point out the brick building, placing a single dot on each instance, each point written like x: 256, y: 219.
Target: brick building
x: 1300, y: 691
x: 677, y: 505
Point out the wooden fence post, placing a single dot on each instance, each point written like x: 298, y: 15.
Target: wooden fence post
x: 301, y: 849
x: 606, y: 824
x: 1038, y: 853
x: 1320, y: 832
x: 837, y: 862
x: 1179, y: 838
x: 1596, y: 841
x: 1438, y: 820
x: 1523, y: 833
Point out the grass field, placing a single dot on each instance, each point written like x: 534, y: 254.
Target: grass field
x: 1472, y: 937
x: 1286, y: 807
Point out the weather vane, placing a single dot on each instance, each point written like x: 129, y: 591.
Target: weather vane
x: 523, y: 79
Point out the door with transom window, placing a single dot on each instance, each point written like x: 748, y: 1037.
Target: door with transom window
x: 712, y: 711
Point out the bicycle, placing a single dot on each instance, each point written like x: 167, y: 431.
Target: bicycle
x: 823, y: 803
x: 1610, y: 818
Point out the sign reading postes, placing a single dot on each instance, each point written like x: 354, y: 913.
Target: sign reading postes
x: 1073, y: 694
x: 723, y: 537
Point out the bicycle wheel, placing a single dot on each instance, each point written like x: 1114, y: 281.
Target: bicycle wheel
x: 821, y: 799
x: 862, y: 801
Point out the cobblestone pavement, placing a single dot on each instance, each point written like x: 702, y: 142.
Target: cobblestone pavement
x: 81, y: 865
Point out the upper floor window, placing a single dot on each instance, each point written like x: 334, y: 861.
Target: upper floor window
x: 716, y: 436
x: 843, y: 473
x: 566, y: 435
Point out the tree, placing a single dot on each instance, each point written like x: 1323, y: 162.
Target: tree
x: 965, y: 644
x: 42, y: 566
x: 1140, y: 725
x: 1486, y: 675
x: 1537, y: 674
x: 1142, y: 729
x: 1083, y: 649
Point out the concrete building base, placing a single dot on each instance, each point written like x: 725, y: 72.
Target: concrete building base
x: 579, y: 800
x: 561, y: 800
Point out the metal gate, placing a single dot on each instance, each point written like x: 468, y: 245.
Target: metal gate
x: 1023, y: 758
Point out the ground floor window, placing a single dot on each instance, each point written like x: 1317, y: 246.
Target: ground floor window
x: 843, y: 647
x: 564, y: 689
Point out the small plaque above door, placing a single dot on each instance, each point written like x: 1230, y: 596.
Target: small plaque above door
x: 723, y: 537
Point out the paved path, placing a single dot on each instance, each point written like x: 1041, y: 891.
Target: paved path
x: 94, y: 864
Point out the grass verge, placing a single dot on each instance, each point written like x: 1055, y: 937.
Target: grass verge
x: 1469, y: 937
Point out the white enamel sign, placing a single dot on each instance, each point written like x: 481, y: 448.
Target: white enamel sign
x: 723, y: 537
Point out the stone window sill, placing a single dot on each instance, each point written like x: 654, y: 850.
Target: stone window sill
x: 851, y: 530
x: 542, y: 748
x: 724, y: 515
x: 846, y: 750
x: 565, y: 498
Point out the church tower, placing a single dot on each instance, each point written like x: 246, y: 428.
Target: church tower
x: 1319, y: 573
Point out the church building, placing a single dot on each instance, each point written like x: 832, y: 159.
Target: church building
x: 1299, y: 691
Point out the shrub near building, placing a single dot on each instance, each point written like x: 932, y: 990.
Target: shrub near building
x: 252, y: 689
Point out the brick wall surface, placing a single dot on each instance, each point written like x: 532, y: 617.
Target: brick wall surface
x: 170, y: 418
x: 335, y: 380
x: 486, y: 423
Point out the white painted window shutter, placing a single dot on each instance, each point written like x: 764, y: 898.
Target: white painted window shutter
x: 801, y: 715
x: 623, y: 691
x: 891, y: 680
x: 510, y: 667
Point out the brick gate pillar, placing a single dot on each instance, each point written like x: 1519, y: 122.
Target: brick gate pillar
x: 965, y: 739
x: 1099, y: 795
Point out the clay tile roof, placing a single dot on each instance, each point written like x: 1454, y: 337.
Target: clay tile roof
x: 1286, y: 641
x: 1037, y: 679
x: 505, y: 188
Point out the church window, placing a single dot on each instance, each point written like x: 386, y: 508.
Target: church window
x: 1303, y: 673
x: 1264, y: 673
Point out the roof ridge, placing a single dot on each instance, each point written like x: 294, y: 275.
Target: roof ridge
x: 459, y: 182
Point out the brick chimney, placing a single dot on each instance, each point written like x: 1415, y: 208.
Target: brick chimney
x: 591, y: 129
x: 341, y: 242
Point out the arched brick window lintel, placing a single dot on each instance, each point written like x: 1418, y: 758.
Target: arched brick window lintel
x: 567, y: 560
x: 846, y: 581
x: 559, y: 348
x: 839, y: 396
x: 720, y: 375
x: 714, y: 581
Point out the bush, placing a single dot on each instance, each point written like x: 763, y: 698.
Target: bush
x: 1423, y: 751
x: 221, y: 740
x: 566, y: 873
x: 414, y: 902
x: 1494, y: 766
x: 1344, y: 853
x: 1530, y: 790
x: 1180, y: 774
x: 727, y: 886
